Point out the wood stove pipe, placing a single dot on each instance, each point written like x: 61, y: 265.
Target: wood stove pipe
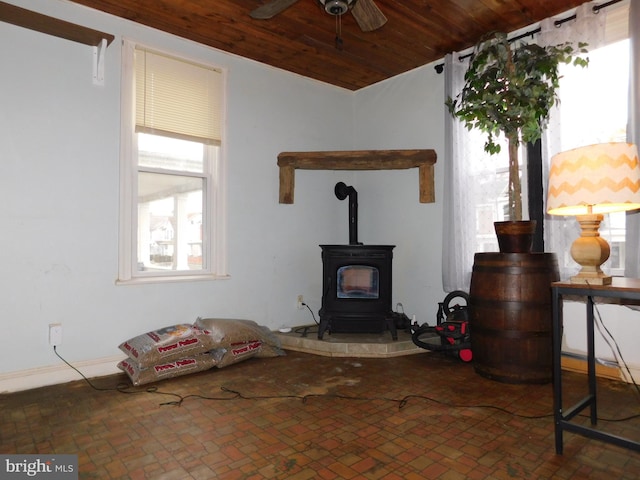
x: 342, y: 191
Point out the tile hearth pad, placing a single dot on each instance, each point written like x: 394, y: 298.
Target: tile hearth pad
x: 363, y: 345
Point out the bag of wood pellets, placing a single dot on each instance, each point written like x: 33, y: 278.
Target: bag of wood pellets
x: 185, y: 348
x: 169, y: 369
x: 238, y: 352
x: 167, y: 344
x: 241, y: 338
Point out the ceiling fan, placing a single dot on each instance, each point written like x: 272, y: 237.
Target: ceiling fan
x: 366, y: 13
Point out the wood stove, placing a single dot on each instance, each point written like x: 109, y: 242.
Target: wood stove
x: 356, y: 289
x: 356, y: 285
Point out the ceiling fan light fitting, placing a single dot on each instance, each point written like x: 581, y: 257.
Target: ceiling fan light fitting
x: 337, y: 7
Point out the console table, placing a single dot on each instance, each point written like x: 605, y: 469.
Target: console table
x: 621, y: 289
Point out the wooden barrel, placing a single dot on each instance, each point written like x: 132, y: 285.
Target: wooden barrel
x: 511, y: 317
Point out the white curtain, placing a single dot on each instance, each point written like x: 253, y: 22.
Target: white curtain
x: 589, y: 27
x: 473, y: 189
x: 632, y: 241
x: 459, y: 222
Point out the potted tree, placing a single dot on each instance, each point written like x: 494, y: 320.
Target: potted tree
x: 510, y: 89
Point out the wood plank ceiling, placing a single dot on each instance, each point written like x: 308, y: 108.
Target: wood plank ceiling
x: 301, y: 39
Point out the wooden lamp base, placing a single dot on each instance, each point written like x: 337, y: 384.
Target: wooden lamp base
x: 590, y: 251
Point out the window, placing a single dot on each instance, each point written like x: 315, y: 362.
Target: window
x: 490, y: 193
x: 600, y: 93
x: 593, y: 109
x: 473, y: 178
x: 172, y: 217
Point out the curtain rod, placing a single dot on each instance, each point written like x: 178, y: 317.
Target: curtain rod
x: 596, y: 8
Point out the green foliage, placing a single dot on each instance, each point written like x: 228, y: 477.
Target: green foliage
x: 510, y: 88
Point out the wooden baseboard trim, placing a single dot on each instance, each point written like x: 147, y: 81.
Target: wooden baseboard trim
x: 579, y: 365
x: 55, y: 374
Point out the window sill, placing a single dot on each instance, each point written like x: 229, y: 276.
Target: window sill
x: 171, y: 279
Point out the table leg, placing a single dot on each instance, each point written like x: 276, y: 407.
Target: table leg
x: 557, y: 367
x: 591, y: 360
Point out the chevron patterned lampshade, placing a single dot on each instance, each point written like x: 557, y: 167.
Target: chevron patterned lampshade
x: 588, y: 182
x: 598, y: 178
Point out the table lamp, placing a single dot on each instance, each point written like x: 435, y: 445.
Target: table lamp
x: 588, y: 182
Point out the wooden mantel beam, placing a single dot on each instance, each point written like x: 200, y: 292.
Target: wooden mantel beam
x: 424, y: 160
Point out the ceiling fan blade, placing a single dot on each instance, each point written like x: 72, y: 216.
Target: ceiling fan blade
x: 271, y: 9
x: 368, y: 15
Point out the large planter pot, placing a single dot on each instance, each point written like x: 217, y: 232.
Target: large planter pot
x: 510, y: 316
x: 515, y: 236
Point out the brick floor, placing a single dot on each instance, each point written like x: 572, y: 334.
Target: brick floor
x: 425, y: 416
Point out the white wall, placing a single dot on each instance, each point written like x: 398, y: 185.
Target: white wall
x: 59, y: 153
x: 621, y: 323
x: 405, y: 112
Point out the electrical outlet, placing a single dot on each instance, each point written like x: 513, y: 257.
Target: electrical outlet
x: 55, y: 334
x: 300, y: 302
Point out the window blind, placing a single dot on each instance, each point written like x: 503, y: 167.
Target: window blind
x: 177, y: 98
x: 617, y: 23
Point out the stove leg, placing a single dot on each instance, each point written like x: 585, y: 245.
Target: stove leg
x: 324, y: 324
x: 391, y: 325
